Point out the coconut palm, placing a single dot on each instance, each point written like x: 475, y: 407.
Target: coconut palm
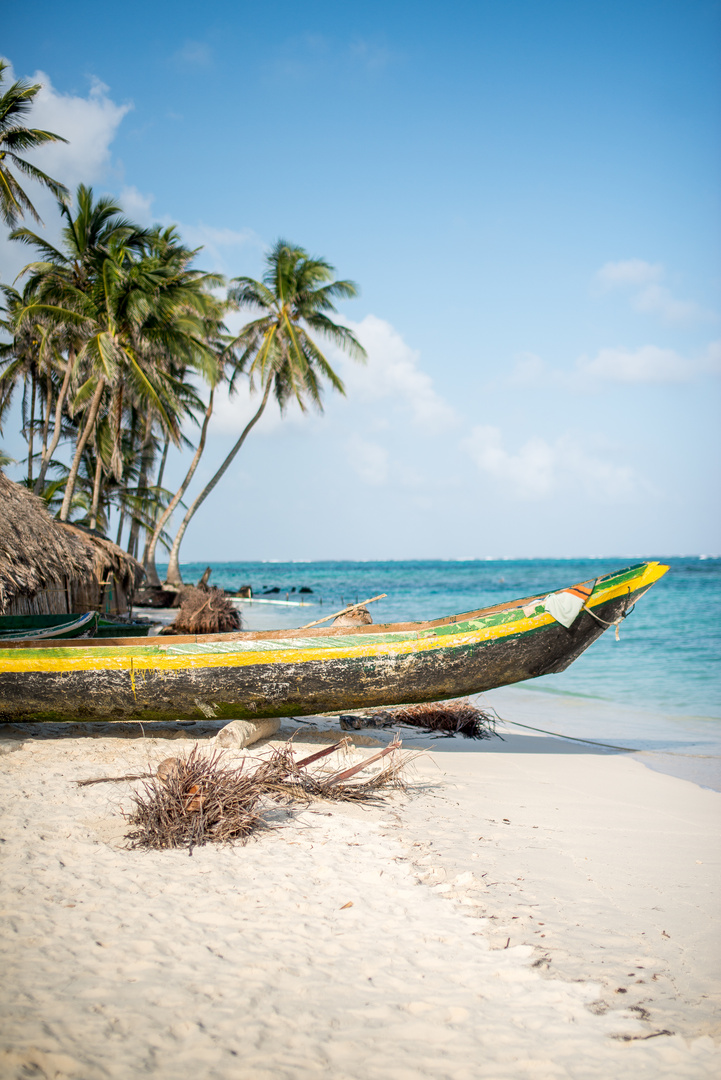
x: 16, y: 139
x: 132, y: 304
x: 67, y: 271
x: 28, y: 358
x: 277, y: 349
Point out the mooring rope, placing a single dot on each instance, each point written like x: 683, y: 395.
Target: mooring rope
x: 616, y: 622
x: 573, y: 738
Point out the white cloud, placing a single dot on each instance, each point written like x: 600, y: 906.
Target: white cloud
x: 540, y: 467
x: 368, y: 460
x: 392, y: 371
x: 529, y: 472
x: 711, y: 360
x: 88, y: 123
x: 659, y: 300
x: 221, y: 247
x: 194, y: 54
x: 136, y: 205
x: 647, y: 364
x: 532, y: 370
x: 650, y: 297
x: 629, y: 272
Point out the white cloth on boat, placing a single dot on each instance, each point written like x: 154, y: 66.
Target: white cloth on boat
x: 564, y: 607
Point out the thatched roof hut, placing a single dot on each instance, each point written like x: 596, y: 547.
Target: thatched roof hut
x: 51, y: 568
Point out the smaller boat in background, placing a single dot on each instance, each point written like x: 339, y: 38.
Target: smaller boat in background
x: 90, y: 624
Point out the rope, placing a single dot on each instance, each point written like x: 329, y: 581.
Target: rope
x: 573, y: 738
x: 617, y: 622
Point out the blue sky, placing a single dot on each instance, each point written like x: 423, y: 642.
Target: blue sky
x: 528, y: 197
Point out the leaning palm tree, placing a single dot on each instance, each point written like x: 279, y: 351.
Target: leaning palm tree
x: 16, y: 139
x: 277, y: 350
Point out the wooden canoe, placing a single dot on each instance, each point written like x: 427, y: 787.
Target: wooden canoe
x: 247, y: 675
x: 88, y: 624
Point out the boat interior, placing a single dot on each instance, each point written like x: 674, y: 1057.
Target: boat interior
x: 270, y: 635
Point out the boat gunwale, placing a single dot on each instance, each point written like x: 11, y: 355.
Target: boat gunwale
x: 167, y: 641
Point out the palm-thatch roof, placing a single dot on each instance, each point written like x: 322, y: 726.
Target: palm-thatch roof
x: 51, y: 566
x: 35, y: 553
x: 108, y: 559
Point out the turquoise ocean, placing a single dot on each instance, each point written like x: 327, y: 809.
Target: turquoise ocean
x: 657, y: 690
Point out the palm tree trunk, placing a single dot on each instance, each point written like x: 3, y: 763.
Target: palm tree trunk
x: 79, y: 447
x: 158, y: 484
x: 149, y: 561
x: 32, y: 430
x: 46, y: 421
x: 120, y: 527
x: 142, y: 480
x: 173, y: 575
x: 47, y: 457
x: 96, y: 491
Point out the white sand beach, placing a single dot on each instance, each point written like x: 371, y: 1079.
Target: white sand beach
x: 530, y: 908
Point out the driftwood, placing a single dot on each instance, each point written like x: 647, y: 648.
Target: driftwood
x: 343, y: 611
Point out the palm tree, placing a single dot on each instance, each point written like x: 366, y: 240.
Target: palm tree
x: 68, y: 270
x: 16, y: 139
x: 132, y: 303
x: 277, y: 350
x: 28, y: 357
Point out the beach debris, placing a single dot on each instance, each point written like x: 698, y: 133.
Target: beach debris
x: 345, y: 611
x: 459, y: 717
x: 290, y: 780
x: 240, y: 733
x: 112, y: 779
x: 168, y: 767
x: 200, y: 798
x: 360, y: 617
x: 204, y: 611
x: 203, y: 582
x: 446, y: 717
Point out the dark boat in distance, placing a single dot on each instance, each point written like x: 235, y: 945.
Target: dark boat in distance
x: 249, y: 675
x: 81, y: 624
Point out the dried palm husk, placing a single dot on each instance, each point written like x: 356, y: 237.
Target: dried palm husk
x: 204, y: 611
x: 199, y: 799
x: 459, y: 717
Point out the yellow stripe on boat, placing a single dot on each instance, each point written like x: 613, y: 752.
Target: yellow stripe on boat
x: 80, y: 660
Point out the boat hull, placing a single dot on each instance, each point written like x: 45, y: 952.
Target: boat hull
x: 295, y: 676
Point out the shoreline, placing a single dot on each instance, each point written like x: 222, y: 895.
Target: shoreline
x: 597, y: 875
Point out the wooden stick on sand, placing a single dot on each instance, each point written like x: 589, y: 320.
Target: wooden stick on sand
x: 345, y: 610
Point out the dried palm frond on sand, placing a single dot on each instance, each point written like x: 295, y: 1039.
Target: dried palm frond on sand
x: 200, y: 799
x: 448, y: 717
x: 291, y: 781
x: 204, y: 611
x: 195, y: 800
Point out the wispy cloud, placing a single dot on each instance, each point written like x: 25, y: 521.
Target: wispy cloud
x: 620, y: 364
x: 222, y: 248
x: 88, y: 123
x: 628, y: 272
x: 647, y: 364
x: 393, y: 371
x: 540, y: 467
x: 369, y: 460
x: 648, y: 295
x: 196, y: 54
x: 136, y: 205
x: 313, y: 56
